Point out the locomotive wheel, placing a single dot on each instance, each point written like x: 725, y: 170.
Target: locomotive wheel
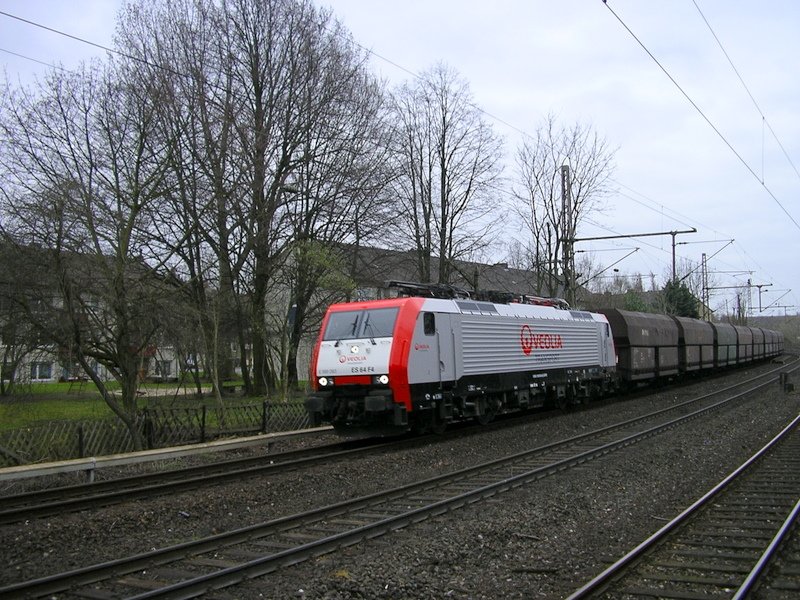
x: 438, y: 424
x: 487, y: 411
x: 561, y: 401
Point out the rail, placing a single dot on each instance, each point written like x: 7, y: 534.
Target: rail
x: 611, y: 576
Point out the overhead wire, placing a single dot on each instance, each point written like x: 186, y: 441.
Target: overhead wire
x: 716, y: 130
x: 690, y: 222
x: 747, y: 89
x: 659, y: 207
x: 702, y: 114
x: 94, y: 44
x: 41, y: 62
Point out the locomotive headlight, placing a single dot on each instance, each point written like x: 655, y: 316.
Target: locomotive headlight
x: 324, y: 381
x: 383, y: 379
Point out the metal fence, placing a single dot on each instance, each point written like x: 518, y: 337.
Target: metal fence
x: 158, y: 428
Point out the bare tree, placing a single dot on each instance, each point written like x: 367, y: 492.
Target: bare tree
x: 273, y: 114
x: 17, y: 335
x: 589, y: 271
x: 448, y: 162
x: 83, y: 170
x: 690, y: 274
x: 181, y: 47
x: 339, y: 196
x: 538, y: 193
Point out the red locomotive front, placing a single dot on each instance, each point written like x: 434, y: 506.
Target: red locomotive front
x: 359, y: 369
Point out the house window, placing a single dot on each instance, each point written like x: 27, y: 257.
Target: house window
x: 164, y: 368
x: 363, y: 294
x: 41, y: 370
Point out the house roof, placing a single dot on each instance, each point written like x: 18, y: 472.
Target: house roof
x: 373, y: 267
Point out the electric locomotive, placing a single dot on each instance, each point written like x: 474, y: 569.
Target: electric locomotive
x: 435, y: 355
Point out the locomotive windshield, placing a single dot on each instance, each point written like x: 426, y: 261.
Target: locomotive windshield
x: 378, y: 322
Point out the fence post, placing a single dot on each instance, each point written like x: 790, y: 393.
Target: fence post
x: 81, y: 441
x: 264, y: 416
x: 203, y: 426
x: 148, y: 430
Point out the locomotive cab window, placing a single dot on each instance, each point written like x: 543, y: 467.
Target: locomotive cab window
x: 429, y: 323
x: 378, y: 322
x: 342, y: 325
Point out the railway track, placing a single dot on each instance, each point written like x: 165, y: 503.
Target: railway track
x: 58, y: 500
x: 194, y: 568
x: 781, y: 577
x: 31, y: 505
x: 726, y: 545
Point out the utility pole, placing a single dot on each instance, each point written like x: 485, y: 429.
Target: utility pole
x: 749, y: 295
x: 572, y: 240
x: 674, y: 270
x: 742, y: 301
x: 759, y: 286
x: 706, y: 299
x: 778, y: 299
x: 567, y: 235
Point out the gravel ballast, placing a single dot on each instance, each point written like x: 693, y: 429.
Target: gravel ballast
x: 542, y: 540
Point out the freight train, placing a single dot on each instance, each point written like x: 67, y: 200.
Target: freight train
x: 436, y: 354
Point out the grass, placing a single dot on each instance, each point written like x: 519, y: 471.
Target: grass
x: 25, y: 412
x: 38, y: 403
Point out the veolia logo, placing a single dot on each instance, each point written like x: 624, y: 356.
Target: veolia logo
x: 349, y: 359
x: 526, y: 339
x: 529, y: 340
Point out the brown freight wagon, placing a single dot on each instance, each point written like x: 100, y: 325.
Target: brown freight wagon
x: 725, y: 344
x: 758, y: 343
x: 744, y: 343
x: 646, y: 344
x: 695, y: 344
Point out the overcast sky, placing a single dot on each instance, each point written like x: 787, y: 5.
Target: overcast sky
x: 576, y: 60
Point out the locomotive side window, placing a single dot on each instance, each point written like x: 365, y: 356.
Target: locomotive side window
x: 429, y: 323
